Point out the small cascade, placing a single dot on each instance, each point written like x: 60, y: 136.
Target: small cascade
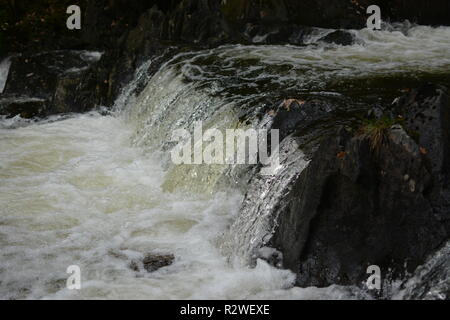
x: 266, y: 198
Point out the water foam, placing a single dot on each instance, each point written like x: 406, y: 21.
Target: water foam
x: 75, y: 192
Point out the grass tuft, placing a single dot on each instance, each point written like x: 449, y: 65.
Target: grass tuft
x: 376, y: 131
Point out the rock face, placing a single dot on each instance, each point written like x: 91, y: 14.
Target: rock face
x: 366, y: 201
x: 427, y: 112
x: 52, y: 82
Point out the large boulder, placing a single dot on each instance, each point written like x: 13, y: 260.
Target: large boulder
x: 52, y: 82
x: 373, y: 197
x: 340, y: 37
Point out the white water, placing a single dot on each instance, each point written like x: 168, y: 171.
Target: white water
x: 88, y: 190
x: 75, y: 192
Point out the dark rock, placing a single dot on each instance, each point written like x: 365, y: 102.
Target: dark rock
x: 25, y: 107
x: 279, y: 34
x: 153, y: 262
x: 352, y: 208
x: 294, y: 115
x: 427, y: 114
x: 365, y: 200
x: 340, y: 37
x: 106, y: 23
x: 66, y: 80
x: 377, y: 112
x: 197, y: 21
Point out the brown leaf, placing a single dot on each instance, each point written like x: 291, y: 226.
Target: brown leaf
x: 423, y: 150
x: 288, y: 102
x: 341, y: 155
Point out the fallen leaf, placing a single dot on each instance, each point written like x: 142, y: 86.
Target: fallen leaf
x: 423, y: 150
x: 288, y: 102
x: 341, y: 155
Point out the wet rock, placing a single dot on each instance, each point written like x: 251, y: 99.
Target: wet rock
x: 340, y: 37
x: 427, y: 114
x: 363, y: 201
x: 66, y: 80
x: 294, y: 115
x: 351, y: 209
x: 430, y: 281
x: 25, y: 107
x: 153, y: 262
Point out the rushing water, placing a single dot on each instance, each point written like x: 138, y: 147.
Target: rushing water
x: 98, y: 191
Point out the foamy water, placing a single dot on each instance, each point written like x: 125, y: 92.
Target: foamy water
x: 74, y: 192
x: 91, y: 190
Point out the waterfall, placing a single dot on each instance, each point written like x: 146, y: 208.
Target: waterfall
x: 100, y: 191
x: 218, y: 86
